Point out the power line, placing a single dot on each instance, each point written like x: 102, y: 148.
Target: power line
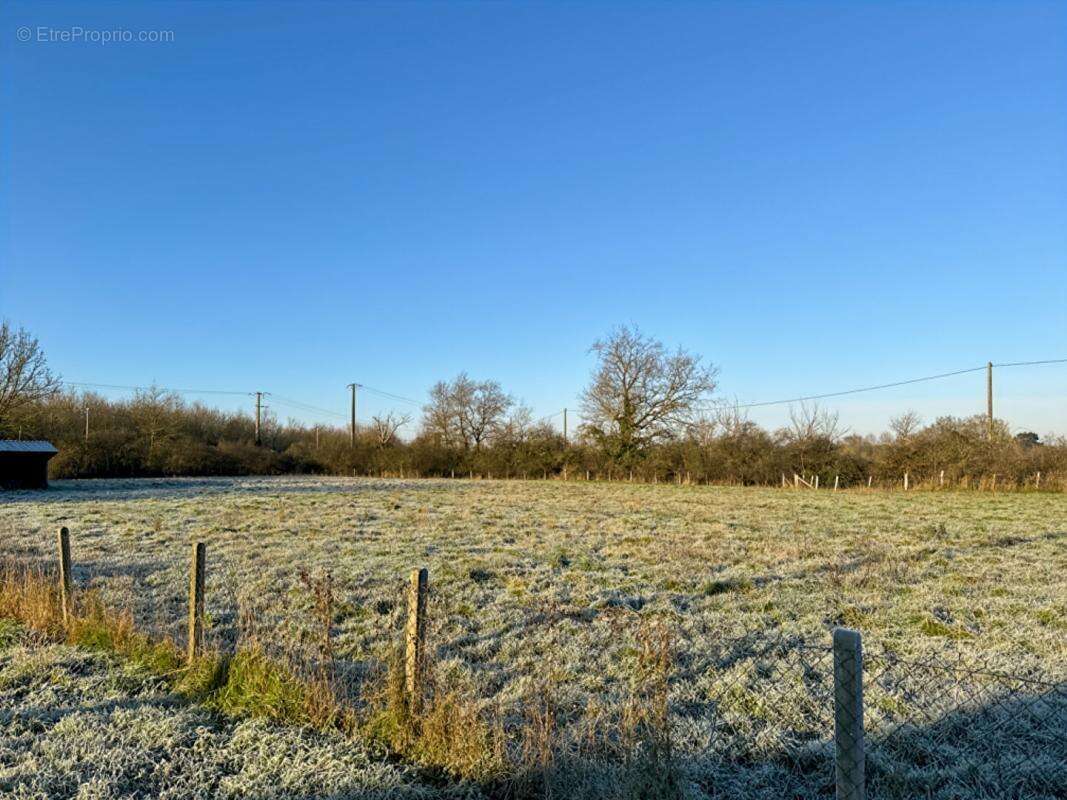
x: 153, y: 388
x: 1033, y: 363
x: 892, y: 385
x: 388, y: 395
x: 308, y: 407
x: 299, y: 404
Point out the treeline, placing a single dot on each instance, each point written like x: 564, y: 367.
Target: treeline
x: 158, y: 434
x: 646, y: 413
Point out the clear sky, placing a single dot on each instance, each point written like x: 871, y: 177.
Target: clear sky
x: 293, y: 196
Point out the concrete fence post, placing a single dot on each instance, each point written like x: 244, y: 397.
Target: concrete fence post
x: 415, y: 640
x: 836, y: 481
x: 66, y: 585
x: 196, y: 599
x: 849, y: 758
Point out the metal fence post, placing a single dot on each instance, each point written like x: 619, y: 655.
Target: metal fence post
x: 849, y: 760
x: 66, y: 587
x: 196, y: 599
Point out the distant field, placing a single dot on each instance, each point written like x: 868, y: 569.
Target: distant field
x: 545, y: 580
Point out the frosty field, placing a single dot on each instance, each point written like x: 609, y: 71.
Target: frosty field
x: 549, y: 582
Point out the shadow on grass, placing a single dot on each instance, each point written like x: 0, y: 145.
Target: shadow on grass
x: 259, y: 486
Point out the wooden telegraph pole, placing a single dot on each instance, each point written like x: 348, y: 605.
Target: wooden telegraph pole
x: 564, y: 426
x: 86, y: 424
x: 353, y: 386
x: 989, y: 399
x: 259, y: 415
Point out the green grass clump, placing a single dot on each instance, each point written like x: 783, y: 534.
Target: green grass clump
x: 712, y: 588
x: 933, y: 627
x: 257, y: 687
x: 11, y: 632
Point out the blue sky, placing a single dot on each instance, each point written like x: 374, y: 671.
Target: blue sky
x: 292, y: 196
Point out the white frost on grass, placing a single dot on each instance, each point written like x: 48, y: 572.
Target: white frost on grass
x: 76, y: 724
x: 546, y: 580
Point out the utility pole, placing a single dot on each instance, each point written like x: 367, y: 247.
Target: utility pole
x: 259, y: 412
x: 989, y: 399
x: 353, y: 386
x: 565, y: 426
x: 87, y: 423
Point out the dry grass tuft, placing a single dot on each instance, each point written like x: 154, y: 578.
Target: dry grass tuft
x: 449, y: 733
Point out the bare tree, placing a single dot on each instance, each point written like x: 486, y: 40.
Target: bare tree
x: 732, y: 420
x: 702, y: 429
x: 518, y: 426
x: 906, y: 424
x: 641, y: 394
x: 386, y: 428
x: 466, y: 413
x: 154, y: 412
x: 811, y: 422
x: 24, y: 374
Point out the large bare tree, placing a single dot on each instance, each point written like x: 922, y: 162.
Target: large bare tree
x: 640, y: 393
x: 466, y: 413
x: 24, y: 374
x: 386, y: 428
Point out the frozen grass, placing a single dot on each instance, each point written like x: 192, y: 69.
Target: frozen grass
x: 82, y: 724
x: 542, y: 595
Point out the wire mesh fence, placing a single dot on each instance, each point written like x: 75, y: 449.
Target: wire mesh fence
x: 939, y: 728
x: 753, y: 716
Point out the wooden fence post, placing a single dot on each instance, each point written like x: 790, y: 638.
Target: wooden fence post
x: 942, y: 478
x: 415, y: 656
x: 870, y: 478
x: 196, y: 600
x: 836, y: 479
x: 849, y: 758
x: 994, y: 487
x: 796, y: 481
x: 905, y: 481
x: 816, y: 481
x: 66, y: 586
x: 1038, y: 484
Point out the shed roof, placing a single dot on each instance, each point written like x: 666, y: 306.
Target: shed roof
x: 26, y: 446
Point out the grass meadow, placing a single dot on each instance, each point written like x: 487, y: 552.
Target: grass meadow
x: 614, y: 639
